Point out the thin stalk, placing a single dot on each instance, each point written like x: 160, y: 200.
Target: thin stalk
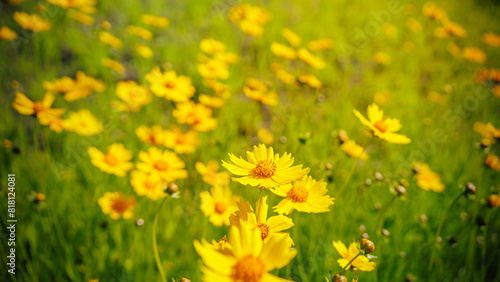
x: 257, y: 205
x: 155, y: 245
x: 381, y: 217
x: 347, y: 265
x: 351, y: 172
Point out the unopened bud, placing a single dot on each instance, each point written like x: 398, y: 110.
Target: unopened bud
x: 401, y: 190
x: 328, y: 166
x: 378, y: 176
x: 367, y: 245
x: 184, y: 279
x: 368, y: 182
x: 339, y: 278
x: 342, y: 135
x: 470, y: 188
x: 404, y: 183
x: 171, y: 188
x: 494, y: 201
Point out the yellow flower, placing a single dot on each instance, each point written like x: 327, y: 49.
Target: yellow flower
x: 305, y: 195
x: 133, y: 94
x: 196, y: 115
x: 80, y: 16
x: 265, y: 136
x: 283, y: 75
x: 361, y: 263
x: 291, y: 37
x: 413, y: 25
x: 432, y: 11
x: 156, y: 21
x: 250, y: 19
x: 15, y: 2
x: 474, y: 54
x: 111, y: 40
x: 227, y: 58
x: 488, y: 131
x: 117, y: 205
x: 164, y: 163
x: 7, y: 34
x: 210, y: 174
x: 83, y: 123
x: 144, y: 51
x: 382, y: 58
x: 86, y: 6
x: 428, y: 179
x: 25, y: 106
x: 181, y: 143
x: 249, y: 259
x: 114, y: 65
x: 212, y: 102
x: 493, y: 200
x: 320, y: 44
x: 354, y: 150
x: 212, y: 46
x: 149, y: 185
x: 382, y: 128
x: 269, y: 227
x: 264, y: 168
x: 258, y: 91
x: 311, y: 80
x: 213, y: 69
x: 493, y: 162
x: 283, y: 51
x: 114, y: 161
x: 491, y: 39
x: 218, y: 204
x: 139, y: 31
x: 62, y: 85
x: 170, y: 86
x: 154, y: 135
x: 310, y: 59
x: 220, y: 89
x: 32, y: 22
x: 454, y: 50
x: 382, y: 97
x: 73, y: 90
x: 454, y: 29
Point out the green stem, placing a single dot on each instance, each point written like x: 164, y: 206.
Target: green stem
x: 485, y: 240
x: 347, y: 265
x: 36, y: 144
x: 257, y: 205
x: 351, y: 172
x: 441, y: 227
x: 381, y: 217
x: 155, y: 245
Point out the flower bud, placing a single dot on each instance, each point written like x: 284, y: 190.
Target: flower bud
x: 328, y: 166
x: 184, y: 279
x: 339, y: 278
x: 470, y: 188
x: 378, y: 176
x: 401, y: 190
x: 171, y: 189
x: 342, y: 135
x: 493, y: 201
x: 367, y: 245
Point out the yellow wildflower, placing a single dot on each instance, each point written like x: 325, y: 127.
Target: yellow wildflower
x: 427, y: 179
x: 32, y: 22
x: 154, y: 135
x: 111, y: 40
x: 291, y: 37
x: 196, y: 115
x: 181, y: 143
x: 218, y: 205
x: 149, y: 185
x: 212, y: 46
x: 7, y: 34
x: 310, y: 59
x: 320, y: 44
x: 144, y: 51
x: 361, y: 263
x: 156, y: 21
x: 117, y: 205
x: 139, y: 31
x: 114, y: 161
x: 491, y: 39
x: 210, y: 174
x: 165, y: 164
x: 134, y: 95
x: 170, y: 86
x: 474, y: 54
x: 283, y: 51
x: 311, y: 80
x: 354, y: 150
x: 114, y: 65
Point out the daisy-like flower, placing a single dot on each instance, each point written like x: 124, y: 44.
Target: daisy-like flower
x: 491, y: 39
x: 474, y: 54
x: 382, y: 128
x: 269, y: 227
x: 361, y: 263
x: 32, y: 22
x: 213, y: 69
x: 210, y: 174
x: 354, y: 150
x: 155, y: 21
x: 250, y: 19
x: 432, y: 11
x: 310, y: 59
x: 144, y: 51
x: 264, y: 168
x: 83, y: 123
x: 62, y: 85
x: 492, y: 162
x: 291, y: 37
x: 427, y: 179
x: 80, y: 16
x: 283, y: 51
x: 154, y: 135
x: 211, y: 101
x: 164, y: 163
x: 110, y: 40
x: 196, y: 115
x: 139, y: 31
x: 149, y: 185
x: 320, y: 44
x: 7, y: 34
x: 181, y: 143
x: 114, y: 161
x: 249, y: 259
x: 41, y: 109
x: 305, y: 195
x: 311, y: 80
x: 488, y: 131
x: 212, y: 46
x: 114, y: 65
x: 258, y: 91
x: 75, y: 89
x: 117, y: 205
x: 170, y: 86
x: 218, y: 205
x: 134, y: 95
x: 86, y: 6
x: 265, y: 136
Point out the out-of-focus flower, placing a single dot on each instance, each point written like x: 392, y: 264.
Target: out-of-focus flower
x: 218, y: 205
x: 80, y: 16
x: 283, y: 75
x: 106, y: 25
x: 181, y: 143
x: 134, y: 95
x: 264, y: 168
x: 382, y: 58
x: 454, y: 50
x: 149, y: 185
x: 227, y: 58
x: 7, y: 34
x: 474, y: 54
x: 114, y: 161
x: 450, y: 29
x: 413, y: 25
x: 382, y: 128
x: 86, y: 6
x: 144, y: 51
x: 196, y: 115
x: 170, y: 85
x: 361, y: 262
x: 311, y: 80
x: 154, y: 135
x: 139, y: 31
x: 427, y: 179
x: 437, y: 98
x: 220, y: 89
x: 283, y: 51
x: 212, y: 46
x: 15, y: 2
x: 382, y: 97
x: 76, y: 89
x: 432, y: 11
x: 484, y: 75
x: 156, y: 21
x: 258, y: 91
x: 250, y: 19
x: 213, y: 69
x: 493, y: 200
x: 165, y: 164
x: 354, y: 150
x: 83, y: 123
x: 111, y: 40
x: 32, y: 22
x: 492, y: 162
x: 491, y: 39
x: 320, y: 44
x: 310, y: 59
x: 488, y: 131
x: 291, y: 37
x: 117, y: 205
x: 265, y: 136
x: 25, y: 106
x: 210, y: 174
x: 114, y: 65
x: 209, y: 101
x: 304, y: 195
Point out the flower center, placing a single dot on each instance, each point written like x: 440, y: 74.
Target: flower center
x: 298, y: 194
x: 111, y: 160
x: 220, y: 207
x: 152, y: 139
x: 170, y: 84
x: 38, y: 107
x: 264, y: 230
x: 248, y: 269
x: 161, y: 165
x: 119, y: 206
x: 149, y: 185
x: 381, y: 125
x: 264, y: 169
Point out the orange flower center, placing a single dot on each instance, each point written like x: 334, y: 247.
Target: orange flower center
x: 298, y: 194
x: 264, y: 230
x: 119, y: 206
x: 161, y: 165
x: 152, y: 139
x: 264, y: 169
x: 381, y: 125
x: 149, y: 185
x: 220, y: 207
x: 170, y: 84
x: 248, y: 269
x: 38, y: 107
x: 111, y: 160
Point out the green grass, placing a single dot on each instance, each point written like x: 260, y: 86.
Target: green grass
x: 70, y: 239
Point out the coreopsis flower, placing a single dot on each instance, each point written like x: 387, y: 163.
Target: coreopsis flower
x: 284, y: 75
x: 493, y: 200
x: 115, y: 161
x: 83, y: 123
x: 220, y: 89
x: 211, y: 101
x: 117, y: 205
x: 25, y: 106
x: 32, y: 22
x: 384, y: 129
x: 139, y: 31
x: 354, y: 150
x: 488, y: 131
x: 212, y: 46
x: 134, y: 95
x: 413, y: 25
x: 249, y: 260
x: 111, y: 40
x: 213, y: 69
x: 144, y: 51
x: 74, y: 89
x: 196, y: 115
x: 311, y: 80
x: 181, y: 143
x: 114, y: 65
x: 427, y: 179
x: 166, y: 164
x: 304, y: 195
x: 170, y: 86
x: 210, y: 173
x: 218, y: 204
x: 264, y: 168
x: 493, y: 162
x: 265, y: 136
x: 283, y: 51
x: 250, y: 19
x: 154, y: 135
x: 432, y: 11
x: 454, y: 50
x: 450, y: 29
x: 155, y: 21
x: 291, y: 37
x: 258, y: 91
x: 382, y: 58
x: 474, y: 54
x: 496, y: 90
x: 62, y: 85
x: 491, y: 39
x: 269, y: 227
x: 361, y: 263
x: 7, y: 34
x: 227, y: 58
x: 86, y: 6
x: 80, y: 16
x: 149, y: 185
x: 320, y: 44
x: 310, y: 59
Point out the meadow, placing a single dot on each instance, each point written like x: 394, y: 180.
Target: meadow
x: 182, y: 89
